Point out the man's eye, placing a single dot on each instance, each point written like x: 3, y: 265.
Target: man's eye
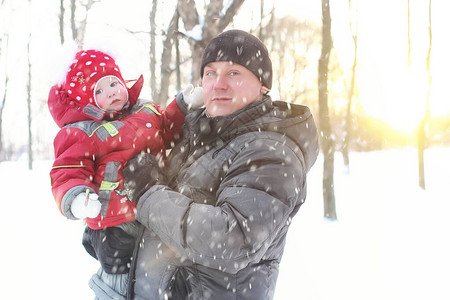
x: 234, y: 73
x: 210, y: 73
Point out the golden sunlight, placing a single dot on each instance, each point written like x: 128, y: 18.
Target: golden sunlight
x: 390, y: 89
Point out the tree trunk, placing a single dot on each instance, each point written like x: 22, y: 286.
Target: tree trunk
x: 409, y: 34
x: 3, y: 58
x: 166, y: 60
x: 325, y: 127
x: 348, y: 116
x: 188, y: 13
x: 215, y: 22
x: 61, y: 21
x: 2, y: 106
x: 261, y: 16
x: 78, y: 32
x: 422, y: 135
x: 420, y: 153
x: 177, y: 52
x: 81, y: 32
x: 73, y: 27
x: 153, y: 50
x: 30, y: 137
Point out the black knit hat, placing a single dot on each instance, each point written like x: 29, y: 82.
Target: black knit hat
x: 241, y: 48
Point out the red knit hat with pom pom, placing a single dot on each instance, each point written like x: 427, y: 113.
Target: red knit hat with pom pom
x: 88, y: 68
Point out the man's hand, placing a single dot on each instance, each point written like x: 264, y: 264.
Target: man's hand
x: 141, y: 173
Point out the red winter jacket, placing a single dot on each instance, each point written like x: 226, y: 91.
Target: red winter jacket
x: 92, y: 148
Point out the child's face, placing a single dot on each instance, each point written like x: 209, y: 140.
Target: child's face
x: 110, y: 94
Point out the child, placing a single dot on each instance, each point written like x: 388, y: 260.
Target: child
x: 103, y: 125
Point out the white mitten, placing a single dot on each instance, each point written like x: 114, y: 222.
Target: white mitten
x: 85, y: 208
x: 193, y: 96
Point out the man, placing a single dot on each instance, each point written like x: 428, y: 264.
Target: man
x: 233, y: 183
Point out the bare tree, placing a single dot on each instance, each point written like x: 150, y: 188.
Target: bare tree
x: 215, y: 22
x: 79, y: 31
x: 188, y: 13
x: 177, y: 52
x: 324, y: 118
x: 73, y: 27
x: 348, y: 114
x: 216, y: 19
x: 166, y: 59
x: 422, y: 135
x: 3, y: 58
x: 153, y: 48
x: 61, y: 21
x: 30, y: 137
x: 290, y: 48
x: 261, y: 14
x: 269, y: 27
x: 265, y: 28
x: 409, y: 34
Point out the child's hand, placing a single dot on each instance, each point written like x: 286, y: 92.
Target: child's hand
x: 193, y: 96
x: 85, y: 206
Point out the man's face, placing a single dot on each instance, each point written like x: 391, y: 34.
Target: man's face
x: 228, y: 87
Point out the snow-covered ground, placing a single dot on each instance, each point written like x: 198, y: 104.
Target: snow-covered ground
x: 391, y: 240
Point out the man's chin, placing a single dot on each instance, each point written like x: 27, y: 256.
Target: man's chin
x: 220, y: 110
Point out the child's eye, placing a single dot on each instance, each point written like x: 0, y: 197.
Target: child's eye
x: 113, y: 84
x: 97, y: 92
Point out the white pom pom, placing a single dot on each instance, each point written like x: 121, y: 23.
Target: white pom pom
x: 104, y: 45
x: 59, y: 62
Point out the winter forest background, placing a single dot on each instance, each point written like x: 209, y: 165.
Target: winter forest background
x: 374, y: 74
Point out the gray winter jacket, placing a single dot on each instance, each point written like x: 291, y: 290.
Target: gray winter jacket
x: 235, y: 183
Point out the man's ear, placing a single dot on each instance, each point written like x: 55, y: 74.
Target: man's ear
x: 264, y: 90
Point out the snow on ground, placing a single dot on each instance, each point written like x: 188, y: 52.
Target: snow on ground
x: 391, y: 240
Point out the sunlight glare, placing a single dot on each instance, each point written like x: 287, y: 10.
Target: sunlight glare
x: 391, y: 90
x: 407, y: 100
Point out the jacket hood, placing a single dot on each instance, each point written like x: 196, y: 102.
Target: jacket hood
x: 65, y: 111
x: 297, y: 123
x: 291, y: 120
